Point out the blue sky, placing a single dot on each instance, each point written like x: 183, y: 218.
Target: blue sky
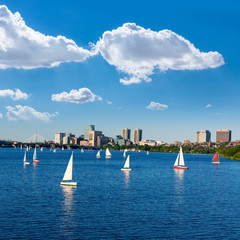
x: 186, y: 89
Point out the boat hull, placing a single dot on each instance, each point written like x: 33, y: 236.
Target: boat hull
x: 68, y: 183
x: 178, y: 167
x: 215, y: 163
x: 108, y: 156
x: 27, y: 163
x: 36, y: 161
x: 126, y: 169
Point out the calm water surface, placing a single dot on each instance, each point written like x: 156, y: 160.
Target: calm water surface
x: 153, y: 201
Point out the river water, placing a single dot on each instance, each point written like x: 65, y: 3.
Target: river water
x: 153, y: 201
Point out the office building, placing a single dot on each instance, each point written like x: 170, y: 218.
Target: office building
x: 66, y: 140
x: 93, y: 135
x: 87, y: 130
x: 126, y: 133
x: 59, y: 138
x: 119, y: 140
x: 223, y: 135
x: 137, y: 136
x: 203, y: 136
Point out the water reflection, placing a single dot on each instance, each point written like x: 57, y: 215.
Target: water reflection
x: 126, y: 178
x: 179, y: 184
x: 68, y: 197
x: 179, y: 175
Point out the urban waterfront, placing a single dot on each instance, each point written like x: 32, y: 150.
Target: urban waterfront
x: 152, y: 201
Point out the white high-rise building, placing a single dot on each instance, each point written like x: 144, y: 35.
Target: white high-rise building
x: 59, y: 138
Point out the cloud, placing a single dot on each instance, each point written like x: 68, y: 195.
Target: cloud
x: 26, y: 113
x: 109, y: 102
x: 1, y: 116
x: 208, y: 105
x: 137, y: 52
x: 157, y: 106
x: 17, y: 95
x: 83, y: 95
x: 23, y: 47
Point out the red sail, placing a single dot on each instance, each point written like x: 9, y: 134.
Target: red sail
x: 216, y: 157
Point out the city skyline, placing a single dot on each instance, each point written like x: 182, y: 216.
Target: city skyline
x: 85, y: 83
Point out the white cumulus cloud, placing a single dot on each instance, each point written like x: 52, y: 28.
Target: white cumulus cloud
x: 17, y: 95
x: 138, y: 52
x: 23, y: 47
x: 26, y: 113
x: 1, y: 116
x: 157, y: 106
x: 208, y: 105
x: 83, y: 95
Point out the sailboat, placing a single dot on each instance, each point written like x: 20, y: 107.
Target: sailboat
x: 41, y: 149
x: 25, y: 159
x: 215, y: 159
x: 21, y: 147
x: 62, y: 148
x: 82, y: 150
x: 126, y: 165
x: 67, y: 179
x: 108, y: 154
x: 35, y: 156
x: 147, y: 153
x: 54, y: 150
x: 98, y: 154
x: 179, y: 163
x: 124, y: 153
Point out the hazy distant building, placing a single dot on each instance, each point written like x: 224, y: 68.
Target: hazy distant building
x: 147, y: 142
x: 126, y: 133
x: 186, y: 142
x: 137, y: 136
x: 223, y: 135
x: 119, y: 140
x: 93, y: 135
x: 66, y: 140
x: 203, y: 136
x: 59, y: 138
x: 102, y: 140
x: 87, y: 130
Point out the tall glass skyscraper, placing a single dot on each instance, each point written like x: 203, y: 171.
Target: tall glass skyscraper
x: 87, y: 129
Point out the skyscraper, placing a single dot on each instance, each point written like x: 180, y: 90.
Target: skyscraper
x: 137, y: 136
x: 59, y: 138
x: 203, y: 136
x: 126, y: 133
x: 223, y: 135
x: 87, y: 129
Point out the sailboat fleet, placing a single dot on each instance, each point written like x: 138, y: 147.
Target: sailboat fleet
x: 67, y: 179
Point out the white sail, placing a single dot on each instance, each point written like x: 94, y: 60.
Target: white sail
x: 62, y: 148
x: 147, y: 152
x: 35, y: 154
x: 98, y: 154
x: 25, y: 157
x: 176, y: 162
x: 181, y: 160
x: 108, y: 152
x: 124, y: 154
x: 82, y: 150
x: 21, y: 146
x: 68, y: 172
x: 127, y: 163
x: 41, y: 149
